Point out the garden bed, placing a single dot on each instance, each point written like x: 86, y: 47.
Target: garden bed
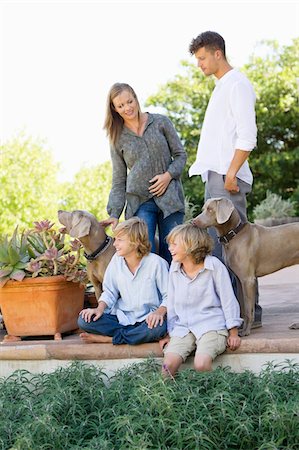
x: 78, y: 408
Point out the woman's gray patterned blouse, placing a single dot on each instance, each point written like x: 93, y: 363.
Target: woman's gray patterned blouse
x: 137, y: 159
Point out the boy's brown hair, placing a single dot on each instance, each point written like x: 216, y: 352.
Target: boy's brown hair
x: 196, y: 241
x: 137, y: 232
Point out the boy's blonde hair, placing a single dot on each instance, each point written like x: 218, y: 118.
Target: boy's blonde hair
x: 137, y: 232
x: 196, y: 241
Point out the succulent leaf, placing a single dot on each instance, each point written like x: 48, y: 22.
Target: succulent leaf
x: 17, y: 275
x: 5, y: 271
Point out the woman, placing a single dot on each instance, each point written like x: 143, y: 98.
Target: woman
x: 147, y: 159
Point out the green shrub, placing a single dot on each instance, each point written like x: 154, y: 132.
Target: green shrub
x: 77, y: 408
x: 190, y: 210
x: 275, y: 207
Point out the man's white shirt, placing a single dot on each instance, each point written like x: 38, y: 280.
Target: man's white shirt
x: 229, y: 124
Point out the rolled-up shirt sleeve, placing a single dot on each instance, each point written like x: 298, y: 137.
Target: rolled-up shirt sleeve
x: 243, y: 110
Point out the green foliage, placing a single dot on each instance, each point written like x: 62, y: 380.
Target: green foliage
x: 190, y: 210
x: 89, y: 190
x: 29, y: 187
x: 28, y: 183
x: 78, y: 408
x: 275, y: 161
x: 275, y: 207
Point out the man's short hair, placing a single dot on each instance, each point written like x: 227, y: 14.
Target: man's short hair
x: 209, y: 39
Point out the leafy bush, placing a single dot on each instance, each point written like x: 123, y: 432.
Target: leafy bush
x: 190, y: 210
x: 275, y: 207
x: 77, y: 408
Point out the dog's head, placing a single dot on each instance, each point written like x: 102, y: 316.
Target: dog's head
x: 215, y: 211
x: 77, y: 223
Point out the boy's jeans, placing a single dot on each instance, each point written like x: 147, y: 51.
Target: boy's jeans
x: 108, y: 325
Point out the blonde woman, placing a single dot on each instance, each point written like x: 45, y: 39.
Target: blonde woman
x: 132, y: 306
x: 147, y: 159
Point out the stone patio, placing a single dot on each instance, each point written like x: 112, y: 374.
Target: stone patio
x: 274, y: 341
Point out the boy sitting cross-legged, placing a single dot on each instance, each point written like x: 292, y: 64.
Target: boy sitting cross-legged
x: 202, y: 311
x: 131, y: 308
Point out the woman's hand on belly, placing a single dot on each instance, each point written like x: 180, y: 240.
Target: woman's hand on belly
x: 159, y: 184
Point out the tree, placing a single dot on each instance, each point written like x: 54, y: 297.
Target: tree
x: 275, y: 162
x: 28, y: 185
x: 89, y: 190
x: 30, y: 190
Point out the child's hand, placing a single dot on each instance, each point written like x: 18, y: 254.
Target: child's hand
x: 88, y: 313
x: 154, y: 319
x: 163, y: 342
x: 233, y: 342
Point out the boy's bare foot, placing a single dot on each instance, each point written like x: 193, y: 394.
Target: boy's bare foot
x: 90, y: 338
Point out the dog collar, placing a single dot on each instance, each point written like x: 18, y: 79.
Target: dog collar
x: 231, y: 234
x: 99, y: 250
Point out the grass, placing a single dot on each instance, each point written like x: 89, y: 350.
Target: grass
x: 75, y: 408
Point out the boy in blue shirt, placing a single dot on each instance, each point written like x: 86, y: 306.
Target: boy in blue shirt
x: 202, y: 310
x: 132, y: 306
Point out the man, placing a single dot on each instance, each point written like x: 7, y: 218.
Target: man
x: 228, y: 132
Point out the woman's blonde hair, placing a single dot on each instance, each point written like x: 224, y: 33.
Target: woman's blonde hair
x: 196, y: 241
x: 113, y: 121
x: 137, y: 232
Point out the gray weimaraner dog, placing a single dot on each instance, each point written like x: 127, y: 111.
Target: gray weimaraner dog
x: 250, y: 250
x: 97, y: 245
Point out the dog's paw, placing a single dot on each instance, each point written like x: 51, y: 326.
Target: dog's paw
x: 294, y: 326
x: 244, y: 332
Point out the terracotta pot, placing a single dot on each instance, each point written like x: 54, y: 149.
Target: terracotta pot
x: 41, y: 306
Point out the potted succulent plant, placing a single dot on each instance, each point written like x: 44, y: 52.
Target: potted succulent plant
x: 42, y: 282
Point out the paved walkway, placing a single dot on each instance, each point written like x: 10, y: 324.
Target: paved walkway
x: 279, y: 298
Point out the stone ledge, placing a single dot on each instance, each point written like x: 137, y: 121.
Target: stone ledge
x: 254, y: 362
x: 74, y: 349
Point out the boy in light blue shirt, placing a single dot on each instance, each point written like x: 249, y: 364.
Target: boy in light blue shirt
x: 132, y: 306
x: 202, y: 310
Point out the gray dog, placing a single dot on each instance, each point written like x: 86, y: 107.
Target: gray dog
x: 97, y: 245
x: 250, y: 250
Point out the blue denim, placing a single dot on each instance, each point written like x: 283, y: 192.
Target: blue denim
x: 108, y: 325
x: 153, y: 216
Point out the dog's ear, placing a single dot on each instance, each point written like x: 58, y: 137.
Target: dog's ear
x: 80, y: 227
x: 224, y: 209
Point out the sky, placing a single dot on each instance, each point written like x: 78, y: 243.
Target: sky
x: 60, y: 58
